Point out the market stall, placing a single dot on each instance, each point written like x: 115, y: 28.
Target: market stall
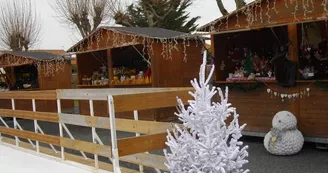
x: 30, y: 71
x: 125, y: 57
x: 273, y: 56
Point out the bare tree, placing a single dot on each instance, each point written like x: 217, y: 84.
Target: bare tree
x: 84, y: 15
x: 239, y: 4
x: 221, y: 7
x: 19, y: 25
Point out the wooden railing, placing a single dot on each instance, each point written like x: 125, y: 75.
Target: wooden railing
x: 149, y: 135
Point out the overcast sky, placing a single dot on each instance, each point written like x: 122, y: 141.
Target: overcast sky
x: 56, y: 35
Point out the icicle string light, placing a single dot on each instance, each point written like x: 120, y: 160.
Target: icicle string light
x: 48, y: 68
x: 254, y: 12
x: 114, y: 39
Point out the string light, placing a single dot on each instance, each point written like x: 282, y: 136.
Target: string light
x: 254, y: 12
x: 118, y: 39
x: 268, y: 10
x: 48, y: 67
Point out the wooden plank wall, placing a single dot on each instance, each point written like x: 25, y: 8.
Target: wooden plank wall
x: 256, y: 108
x: 175, y: 73
x: 314, y: 112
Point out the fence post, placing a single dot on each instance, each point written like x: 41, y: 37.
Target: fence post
x: 15, y: 120
x: 93, y: 130
x: 115, y: 157
x: 35, y: 126
x: 60, y: 129
x: 136, y: 117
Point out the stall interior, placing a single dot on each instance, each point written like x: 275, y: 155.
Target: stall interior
x: 19, y: 77
x: 130, y: 66
x: 114, y: 67
x: 252, y: 55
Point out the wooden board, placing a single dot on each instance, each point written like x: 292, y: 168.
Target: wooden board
x: 133, y: 145
x: 42, y: 116
x: 49, y: 139
x: 38, y: 95
x: 149, y: 100
x: 89, y: 147
x: 126, y: 125
x: 149, y: 160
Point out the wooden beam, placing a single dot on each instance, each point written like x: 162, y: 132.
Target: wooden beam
x: 110, y: 65
x: 149, y: 160
x: 293, y: 55
x: 101, y: 94
x: 38, y: 95
x: 89, y: 147
x: 49, y: 139
x: 126, y: 125
x: 238, y: 21
x: 149, y: 100
x: 41, y: 116
x: 134, y: 145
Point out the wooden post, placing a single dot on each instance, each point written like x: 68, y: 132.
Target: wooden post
x: 110, y: 65
x: 293, y: 56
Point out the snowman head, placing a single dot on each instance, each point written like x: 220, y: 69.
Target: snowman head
x: 284, y: 120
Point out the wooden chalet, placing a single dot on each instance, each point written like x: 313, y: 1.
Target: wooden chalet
x: 135, y: 57
x: 256, y: 34
x: 34, y: 71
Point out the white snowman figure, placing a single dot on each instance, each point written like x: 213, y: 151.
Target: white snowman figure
x: 284, y: 138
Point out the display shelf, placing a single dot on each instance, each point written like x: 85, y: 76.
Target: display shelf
x: 92, y: 86
x: 268, y: 81
x: 130, y: 85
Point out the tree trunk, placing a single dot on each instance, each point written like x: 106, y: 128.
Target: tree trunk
x: 221, y: 7
x: 240, y: 3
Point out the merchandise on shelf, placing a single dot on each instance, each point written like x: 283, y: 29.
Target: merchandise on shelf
x: 124, y: 76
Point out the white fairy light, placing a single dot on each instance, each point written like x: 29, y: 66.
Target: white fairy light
x: 268, y: 10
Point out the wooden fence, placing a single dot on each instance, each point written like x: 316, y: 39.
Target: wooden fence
x: 149, y: 135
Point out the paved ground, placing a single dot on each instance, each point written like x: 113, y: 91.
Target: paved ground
x: 309, y: 160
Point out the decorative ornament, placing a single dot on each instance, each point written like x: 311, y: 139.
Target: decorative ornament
x: 222, y: 66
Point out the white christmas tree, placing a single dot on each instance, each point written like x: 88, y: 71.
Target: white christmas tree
x: 206, y: 144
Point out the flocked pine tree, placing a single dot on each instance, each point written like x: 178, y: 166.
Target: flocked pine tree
x: 207, y: 144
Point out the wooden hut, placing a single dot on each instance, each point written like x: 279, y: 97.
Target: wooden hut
x: 245, y: 42
x: 125, y: 57
x: 21, y: 71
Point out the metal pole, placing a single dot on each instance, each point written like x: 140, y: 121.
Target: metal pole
x: 115, y: 157
x: 93, y: 130
x: 136, y: 117
x: 35, y: 126
x: 60, y: 129
x: 15, y: 121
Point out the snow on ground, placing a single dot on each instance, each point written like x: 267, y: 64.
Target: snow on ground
x: 15, y: 161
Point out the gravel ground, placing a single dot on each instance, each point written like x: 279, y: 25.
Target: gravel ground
x: 309, y: 160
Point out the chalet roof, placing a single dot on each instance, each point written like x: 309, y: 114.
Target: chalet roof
x: 266, y: 14
x: 155, y: 33
x: 41, y: 56
x: 206, y: 26
x: 149, y: 32
x: 52, y: 51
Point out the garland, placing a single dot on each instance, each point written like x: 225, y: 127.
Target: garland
x: 321, y: 84
x: 242, y: 86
